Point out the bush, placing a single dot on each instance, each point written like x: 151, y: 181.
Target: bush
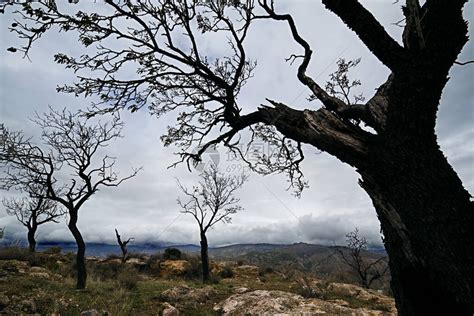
x: 105, y: 270
x: 112, y: 256
x: 194, y: 271
x: 264, y: 271
x: 15, y: 253
x: 172, y: 254
x: 153, y: 265
x: 128, y: 278
x: 138, y: 255
x: 214, y: 279
x: 226, y: 273
x: 240, y: 263
x: 55, y: 250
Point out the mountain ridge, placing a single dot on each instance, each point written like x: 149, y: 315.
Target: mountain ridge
x: 232, y: 250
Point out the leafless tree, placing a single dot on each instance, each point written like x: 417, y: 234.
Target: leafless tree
x: 32, y: 212
x: 367, y: 270
x: 123, y: 245
x: 425, y: 212
x: 210, y: 202
x: 71, y: 144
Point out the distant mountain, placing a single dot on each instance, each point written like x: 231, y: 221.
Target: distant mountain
x: 255, y: 253
x: 102, y: 250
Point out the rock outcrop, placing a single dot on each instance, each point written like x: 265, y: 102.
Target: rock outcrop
x: 185, y: 293
x: 169, y: 310
x: 264, y: 302
x: 173, y: 267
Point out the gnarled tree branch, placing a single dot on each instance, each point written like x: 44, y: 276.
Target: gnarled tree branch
x: 370, y: 31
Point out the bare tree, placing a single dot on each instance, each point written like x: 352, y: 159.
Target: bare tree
x: 425, y: 212
x: 210, y: 202
x: 367, y: 270
x: 123, y: 245
x: 71, y: 145
x: 32, y: 212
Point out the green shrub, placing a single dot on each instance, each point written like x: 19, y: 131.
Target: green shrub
x: 172, y: 254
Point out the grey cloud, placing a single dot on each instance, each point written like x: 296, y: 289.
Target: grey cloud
x: 145, y: 207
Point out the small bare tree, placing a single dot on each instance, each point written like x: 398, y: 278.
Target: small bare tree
x: 210, y: 202
x: 32, y: 212
x: 71, y: 146
x: 367, y: 270
x: 123, y: 245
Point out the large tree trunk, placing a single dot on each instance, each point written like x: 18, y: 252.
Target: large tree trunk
x: 204, y: 258
x: 81, y: 251
x: 31, y: 238
x: 427, y: 221
x: 426, y: 214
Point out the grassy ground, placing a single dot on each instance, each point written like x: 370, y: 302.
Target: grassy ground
x: 118, y: 289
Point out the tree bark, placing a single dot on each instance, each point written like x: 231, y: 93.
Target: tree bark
x: 427, y: 220
x: 31, y: 238
x: 204, y: 258
x: 425, y: 212
x: 81, y: 250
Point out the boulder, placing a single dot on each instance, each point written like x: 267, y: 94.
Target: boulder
x: 91, y: 312
x: 174, y: 267
x: 218, y: 266
x: 169, y: 310
x: 262, y: 302
x: 39, y: 272
x: 185, y: 293
x: 94, y: 312
x: 28, y: 306
x: 175, y: 293
x: 13, y: 266
x: 359, y: 293
x: 259, y: 302
x: 4, y: 301
x: 241, y: 290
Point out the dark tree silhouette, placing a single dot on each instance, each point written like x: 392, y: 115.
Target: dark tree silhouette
x: 123, y: 245
x: 210, y: 202
x: 71, y: 145
x: 425, y: 212
x: 32, y: 212
x: 367, y: 270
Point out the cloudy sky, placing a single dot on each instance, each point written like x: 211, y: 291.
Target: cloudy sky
x: 145, y: 207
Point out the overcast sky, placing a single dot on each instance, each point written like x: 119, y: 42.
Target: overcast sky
x: 145, y: 207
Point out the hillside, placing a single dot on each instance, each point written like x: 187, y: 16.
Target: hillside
x: 43, y: 283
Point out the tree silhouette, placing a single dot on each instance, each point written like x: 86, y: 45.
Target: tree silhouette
x: 123, y: 245
x: 71, y: 145
x: 425, y: 212
x: 210, y: 202
x: 32, y: 212
x: 367, y: 270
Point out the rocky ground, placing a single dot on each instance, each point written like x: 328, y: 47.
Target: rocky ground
x: 145, y: 286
